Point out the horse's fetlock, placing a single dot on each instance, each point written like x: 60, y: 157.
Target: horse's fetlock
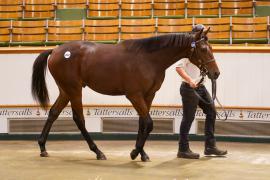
x: 94, y: 147
x: 41, y: 144
x: 40, y: 141
x: 139, y: 149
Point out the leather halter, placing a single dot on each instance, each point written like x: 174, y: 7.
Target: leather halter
x: 202, y: 64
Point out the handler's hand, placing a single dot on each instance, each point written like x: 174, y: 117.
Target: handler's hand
x: 193, y: 84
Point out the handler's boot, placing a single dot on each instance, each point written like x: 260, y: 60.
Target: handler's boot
x: 185, y: 152
x: 211, y: 149
x: 188, y: 154
x: 214, y: 151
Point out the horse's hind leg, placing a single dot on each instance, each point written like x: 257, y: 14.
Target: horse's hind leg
x: 54, y: 112
x: 76, y: 104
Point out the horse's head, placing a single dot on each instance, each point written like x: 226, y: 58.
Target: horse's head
x: 202, y: 56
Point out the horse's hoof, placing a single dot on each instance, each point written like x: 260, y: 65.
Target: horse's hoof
x: 101, y: 156
x: 134, y: 153
x: 145, y: 158
x: 44, y: 154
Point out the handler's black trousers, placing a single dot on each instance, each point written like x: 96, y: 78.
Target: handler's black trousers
x: 190, y: 102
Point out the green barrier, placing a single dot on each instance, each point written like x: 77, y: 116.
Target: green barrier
x: 4, y: 44
x: 26, y: 44
x: 262, y: 10
x: 70, y: 14
x: 219, y: 41
x: 253, y: 41
x: 239, y: 15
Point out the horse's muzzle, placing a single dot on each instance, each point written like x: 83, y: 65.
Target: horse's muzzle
x: 213, y: 75
x: 216, y: 75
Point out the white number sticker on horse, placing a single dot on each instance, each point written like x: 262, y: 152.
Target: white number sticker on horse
x: 67, y: 54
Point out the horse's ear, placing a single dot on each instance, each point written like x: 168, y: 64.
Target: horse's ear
x: 205, y: 32
x: 198, y: 34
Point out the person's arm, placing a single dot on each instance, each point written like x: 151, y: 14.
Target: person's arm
x: 186, y: 77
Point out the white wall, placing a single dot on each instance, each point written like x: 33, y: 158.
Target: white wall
x: 244, y: 81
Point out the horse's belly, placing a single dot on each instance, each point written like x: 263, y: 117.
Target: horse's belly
x: 106, y: 91
x: 106, y: 86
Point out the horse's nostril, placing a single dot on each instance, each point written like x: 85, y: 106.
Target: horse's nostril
x: 217, y: 74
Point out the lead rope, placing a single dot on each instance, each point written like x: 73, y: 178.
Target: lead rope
x: 223, y: 109
x: 214, y: 97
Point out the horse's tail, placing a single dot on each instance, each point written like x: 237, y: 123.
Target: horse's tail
x: 39, y: 87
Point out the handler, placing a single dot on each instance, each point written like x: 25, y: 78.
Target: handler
x: 191, y: 76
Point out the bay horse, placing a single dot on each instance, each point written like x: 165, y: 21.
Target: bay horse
x: 133, y: 68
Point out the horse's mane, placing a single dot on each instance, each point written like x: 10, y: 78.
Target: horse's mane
x: 155, y: 43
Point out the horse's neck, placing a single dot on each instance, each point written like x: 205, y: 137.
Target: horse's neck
x: 167, y: 57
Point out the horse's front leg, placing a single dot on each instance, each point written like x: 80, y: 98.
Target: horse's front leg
x: 148, y: 100
x: 145, y: 126
x: 135, y: 152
